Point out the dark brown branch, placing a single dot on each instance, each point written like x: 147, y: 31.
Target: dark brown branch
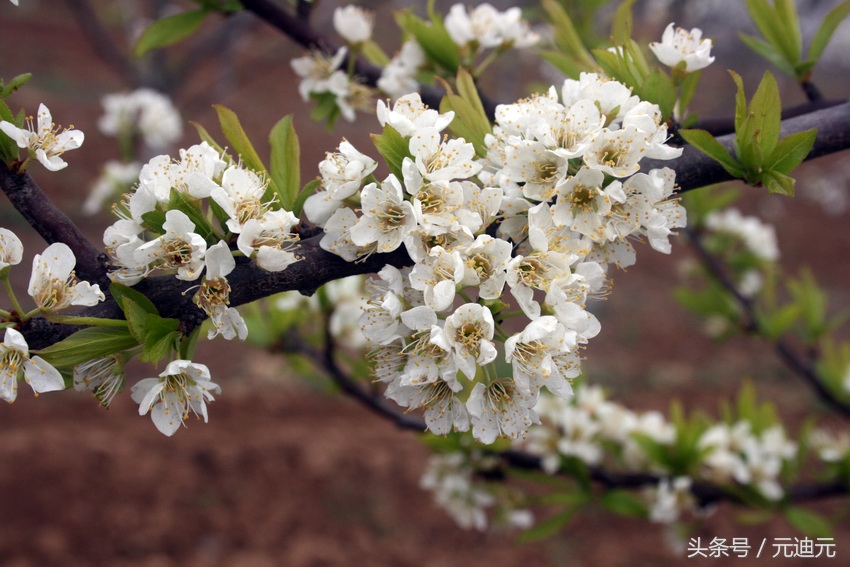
x: 52, y: 224
x: 694, y: 169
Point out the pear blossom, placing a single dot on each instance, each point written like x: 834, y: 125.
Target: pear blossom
x: 11, y: 249
x: 103, y: 376
x: 271, y: 236
x: 240, y: 195
x: 181, y: 387
x: 398, y: 77
x: 46, y: 143
x: 500, y: 409
x: 52, y: 284
x: 16, y: 364
x: 468, y: 334
x: 683, y: 49
x: 144, y: 111
x: 532, y: 354
x: 387, y: 216
x: 213, y: 296
x: 353, y: 23
x: 195, y: 173
x: 437, y: 159
x: 486, y: 27
x: 179, y: 248
x: 409, y: 114
x: 115, y: 179
x: 315, y: 71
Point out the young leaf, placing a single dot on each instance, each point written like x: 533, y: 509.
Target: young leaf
x: 88, y: 344
x: 239, y: 141
x: 285, y: 164
x: 206, y: 137
x: 14, y: 84
x: 548, y: 527
x: 827, y: 29
x: 765, y: 115
x: 121, y: 291
x: 776, y: 182
x: 392, y: 147
x: 566, y: 37
x: 810, y: 523
x: 791, y: 151
x: 621, y: 28
x: 708, y: 144
x: 306, y: 191
x: 169, y: 30
x: 624, y: 503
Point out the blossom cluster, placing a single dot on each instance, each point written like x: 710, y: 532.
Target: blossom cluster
x: 472, y: 30
x: 52, y: 287
x: 144, y: 111
x: 554, y: 198
x: 263, y: 231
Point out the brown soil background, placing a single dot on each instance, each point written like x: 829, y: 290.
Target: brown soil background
x: 285, y: 474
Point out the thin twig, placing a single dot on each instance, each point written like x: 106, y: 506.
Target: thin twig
x: 804, y: 367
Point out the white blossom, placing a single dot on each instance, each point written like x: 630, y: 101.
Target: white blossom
x: 353, y: 23
x: 680, y: 47
x: 16, y: 364
x: 181, y: 387
x: 52, y: 284
x: 45, y: 141
x: 11, y: 249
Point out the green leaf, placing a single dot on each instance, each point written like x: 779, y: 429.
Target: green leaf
x: 775, y: 324
x: 161, y: 338
x: 374, y: 54
x: 688, y: 87
x: 776, y: 182
x: 786, y: 11
x: 136, y: 318
x: 169, y: 30
x: 708, y: 144
x: 567, y: 38
x: 566, y: 64
x: 393, y: 148
x: 827, y: 29
x: 791, y: 151
x: 238, y: 139
x: 769, y: 52
x: 765, y: 115
x: 88, y: 344
x: 470, y: 121
x: 548, y: 527
x: 624, y: 503
x: 433, y: 38
x: 121, y: 291
x: 305, y: 193
x: 206, y: 137
x: 658, y: 87
x: 8, y: 148
x: 769, y: 23
x: 184, y: 203
x: 14, y: 84
x: 285, y: 164
x: 621, y: 28
x: 810, y: 523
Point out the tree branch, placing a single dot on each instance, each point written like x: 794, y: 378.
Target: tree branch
x: 52, y: 224
x: 804, y: 367
x: 694, y: 169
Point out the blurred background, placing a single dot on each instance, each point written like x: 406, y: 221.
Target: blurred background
x: 285, y: 474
